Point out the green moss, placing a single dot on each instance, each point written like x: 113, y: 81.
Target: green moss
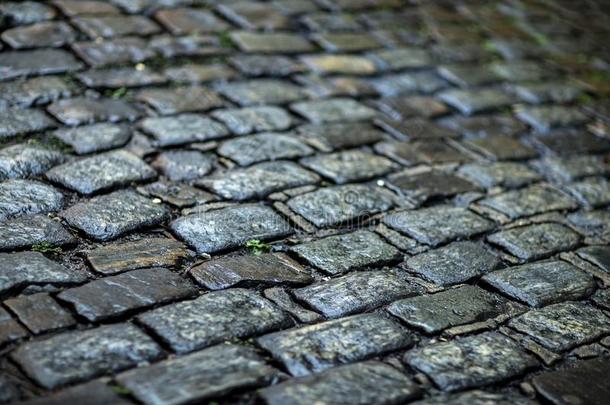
x: 47, y: 247
x: 257, y: 247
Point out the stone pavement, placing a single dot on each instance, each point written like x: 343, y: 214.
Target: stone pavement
x: 304, y: 201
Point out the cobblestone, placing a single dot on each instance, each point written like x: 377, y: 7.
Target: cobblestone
x: 25, y: 197
x: 183, y: 128
x: 40, y: 313
x: 27, y: 231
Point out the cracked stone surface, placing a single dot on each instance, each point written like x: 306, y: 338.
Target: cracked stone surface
x: 277, y: 201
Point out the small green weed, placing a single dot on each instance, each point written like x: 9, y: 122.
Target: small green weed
x: 47, y: 247
x: 257, y: 247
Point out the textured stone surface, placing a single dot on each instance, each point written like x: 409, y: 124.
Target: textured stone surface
x: 84, y: 110
x: 40, y: 61
x: 542, y: 283
x: 27, y: 231
x: 94, y: 138
x: 429, y: 185
x: 230, y: 227
x: 25, y: 197
x: 34, y: 91
x: 342, y: 253
x: 243, y: 270
x: 180, y: 99
x: 79, y: 355
x: 261, y: 91
x: 311, y: 349
x: 477, y: 397
x: 109, y: 216
x: 206, y: 374
x: 349, y: 166
x: 184, y: 165
x: 23, y: 160
x: 183, y: 128
x: 10, y: 331
x: 499, y: 174
x: 357, y: 292
x: 251, y: 149
x: 599, y: 255
x: 471, y: 361
x: 43, y: 34
x: 339, y: 109
x: 254, y: 119
x: 359, y: 383
x: 563, y: 326
x: 15, y: 121
x: 40, y: 313
x: 95, y: 392
x: 214, y: 318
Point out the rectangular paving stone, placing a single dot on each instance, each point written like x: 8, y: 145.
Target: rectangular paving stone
x: 118, y: 51
x: 501, y: 147
x: 455, y: 263
x: 329, y: 137
x: 10, y: 330
x: 401, y: 83
x: 24, y: 160
x: 542, y: 283
x: 254, y: 16
x: 266, y: 65
x: 431, y: 184
x: 115, y: 25
x: 24, y: 232
x: 246, y: 150
x: 366, y: 382
x: 437, y: 225
x: 469, y: 102
x: 333, y: 110
x: 197, y: 73
x: 585, y: 383
x: 348, y: 166
x: 85, y: 354
x: 184, y: 165
x: 571, y: 168
x: 40, y: 313
x: 598, y: 255
x: 73, y: 8
x: 480, y: 126
x: 182, y: 99
x: 339, y: 64
x: 22, y: 269
x: 102, y: 172
x: 591, y: 192
x: 213, y: 318
x: 15, y: 121
x: 246, y: 120
x: 195, y: 45
x: 139, y: 254
x: 27, y: 197
x: 563, y: 326
x: 358, y: 292
x: 261, y: 91
x: 268, y: 268
x: 95, y: 392
x: 572, y: 142
x: 499, y: 174
x: 209, y: 373
x: 258, y: 181
x: 315, y: 348
x: 536, y: 241
x: 346, y: 41
x: 342, y: 253
x: 118, y: 295
x: 478, y: 397
x: 277, y: 42
x: 181, y: 21
x: 472, y: 361
x: 532, y: 200
x: 468, y: 75
x: 37, y: 62
x: 453, y: 307
x: 545, y: 118
x: 94, y: 138
x: 26, y: 12
x: 231, y: 227
x: 547, y: 92
x: 108, y: 216
x: 334, y: 205
x: 49, y: 34
x: 117, y: 78
x: 34, y: 91
x: 182, y: 128
x: 85, y: 110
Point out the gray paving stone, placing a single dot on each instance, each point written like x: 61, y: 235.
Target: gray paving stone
x: 40, y: 313
x: 230, y: 227
x: 208, y: 373
x: 284, y: 300
x: 26, y: 197
x: 27, y: 231
x: 266, y: 65
x: 499, y: 174
x: 25, y: 160
x: 73, y: 8
x: 437, y: 225
x: 401, y: 58
x: 480, y: 126
x: 94, y: 138
x: 95, y: 392
x: 108, y: 216
x: 181, y: 165
x: 328, y: 137
x: 542, y: 283
x: 261, y: 91
x: 195, y: 46
x: 333, y: 110
x: 532, y: 200
x: 454, y: 307
x: 430, y: 151
x: 115, y: 25
x: 277, y: 42
x: 536, y: 241
x: 348, y: 166
x: 404, y: 107
x: 180, y: 99
x: 254, y: 16
x: 258, y: 181
x: 572, y: 142
x: 545, y: 118
x: 360, y: 383
x: 469, y: 102
x: 469, y: 75
x: 80, y: 355
x: 118, y: 295
x: 26, y: 12
x: 521, y: 71
x: 477, y: 397
x: 244, y: 270
x: 183, y: 128
x: 455, y: 263
x: 339, y: 64
x: 351, y: 251
x: 358, y: 292
x: 247, y: 150
x: 37, y: 62
x: 8, y: 389
x: 334, y: 205
x: 591, y: 192
x: 117, y: 51
x: 10, y: 329
x: 15, y: 121
x: 598, y: 255
x: 85, y: 110
x: 34, y: 91
x: 117, y: 78
x: 196, y: 73
x: 323, y: 21
x: 563, y: 326
x: 346, y: 41
x: 395, y: 84
x: 428, y: 185
x: 102, y: 172
x: 181, y: 21
x: 585, y: 383
x: 144, y: 253
x: 213, y: 318
x: 23, y: 269
x: 179, y: 195
x: 315, y: 348
x: 502, y: 147
x: 415, y: 128
x: 547, y: 92
x: 592, y: 223
x: 44, y: 34
x: 571, y: 168
x: 472, y: 361
x: 243, y: 121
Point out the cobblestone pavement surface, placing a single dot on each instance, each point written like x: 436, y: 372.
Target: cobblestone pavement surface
x: 305, y: 201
